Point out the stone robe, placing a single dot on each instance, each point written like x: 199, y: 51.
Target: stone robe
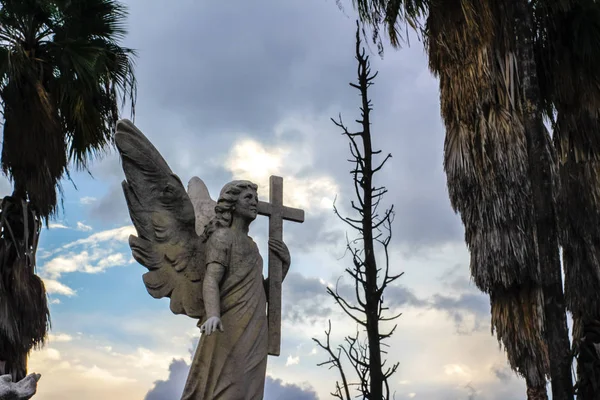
x: 231, y: 365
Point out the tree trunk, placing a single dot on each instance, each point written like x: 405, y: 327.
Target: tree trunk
x: 25, y: 318
x: 372, y: 295
x: 543, y: 180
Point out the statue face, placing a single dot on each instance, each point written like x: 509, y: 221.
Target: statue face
x: 246, y: 206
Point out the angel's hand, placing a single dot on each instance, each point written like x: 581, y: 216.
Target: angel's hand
x: 211, y: 325
x: 280, y: 250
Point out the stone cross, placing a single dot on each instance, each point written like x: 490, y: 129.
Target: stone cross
x: 276, y: 212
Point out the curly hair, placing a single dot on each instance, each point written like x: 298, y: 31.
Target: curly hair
x: 225, y: 205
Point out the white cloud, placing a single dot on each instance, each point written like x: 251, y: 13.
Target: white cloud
x: 83, y: 227
x: 292, y: 360
x: 60, y: 337
x: 92, y: 259
x: 91, y: 263
x: 92, y: 369
x: 55, y: 287
x: 118, y: 235
x: 87, y: 200
x: 103, y: 375
x: 57, y: 225
x: 52, y: 354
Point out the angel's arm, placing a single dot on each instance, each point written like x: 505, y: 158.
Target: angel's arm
x: 210, y: 289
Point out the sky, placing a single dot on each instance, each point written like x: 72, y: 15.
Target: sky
x: 245, y: 90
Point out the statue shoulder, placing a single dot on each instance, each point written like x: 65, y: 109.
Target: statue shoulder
x: 221, y: 237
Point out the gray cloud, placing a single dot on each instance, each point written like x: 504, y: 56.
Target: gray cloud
x: 467, y: 306
x: 396, y: 296
x: 306, y: 298
x: 111, y: 207
x: 275, y: 389
x: 203, y: 83
x: 461, y: 308
x: 503, y: 373
x: 172, y: 388
x: 468, y: 391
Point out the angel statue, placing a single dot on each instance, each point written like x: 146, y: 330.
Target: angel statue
x: 198, y: 253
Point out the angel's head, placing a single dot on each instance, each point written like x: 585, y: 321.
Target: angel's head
x: 236, y: 198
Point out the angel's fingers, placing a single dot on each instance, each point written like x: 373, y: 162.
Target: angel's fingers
x: 221, y: 326
x: 277, y: 247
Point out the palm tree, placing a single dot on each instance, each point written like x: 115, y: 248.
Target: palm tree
x: 500, y: 168
x: 486, y: 163
x: 63, y: 75
x: 568, y: 58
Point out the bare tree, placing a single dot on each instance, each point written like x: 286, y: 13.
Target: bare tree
x: 365, y: 306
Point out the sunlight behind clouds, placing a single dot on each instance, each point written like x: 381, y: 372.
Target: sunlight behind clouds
x: 251, y: 160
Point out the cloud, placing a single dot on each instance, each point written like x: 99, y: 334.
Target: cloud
x: 275, y: 389
x: 87, y: 200
x: 112, y: 206
x: 83, y: 227
x: 97, y: 252
x: 467, y: 306
x: 57, y: 225
x: 76, y: 369
x: 291, y: 360
x: 88, y: 262
x: 503, y: 373
x: 306, y: 298
x: 60, y: 337
x: 470, y: 312
x: 278, y: 106
x: 118, y: 235
x: 172, y: 387
x: 55, y: 287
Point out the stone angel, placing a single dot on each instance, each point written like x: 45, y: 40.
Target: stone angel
x: 198, y: 253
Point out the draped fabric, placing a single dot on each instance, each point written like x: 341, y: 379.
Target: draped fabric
x: 231, y: 365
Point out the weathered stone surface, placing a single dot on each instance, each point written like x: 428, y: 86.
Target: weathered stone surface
x: 22, y: 390
x: 204, y: 206
x: 199, y: 254
x: 276, y: 212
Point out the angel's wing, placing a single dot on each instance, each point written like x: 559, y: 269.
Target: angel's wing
x: 204, y: 206
x: 163, y: 216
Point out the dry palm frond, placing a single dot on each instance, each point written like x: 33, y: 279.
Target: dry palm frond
x: 486, y: 163
x: 518, y: 320
x: 568, y: 55
x: 588, y: 358
x: 24, y: 317
x: 580, y: 236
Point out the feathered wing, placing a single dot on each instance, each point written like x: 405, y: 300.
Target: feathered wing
x: 163, y: 215
x: 204, y: 206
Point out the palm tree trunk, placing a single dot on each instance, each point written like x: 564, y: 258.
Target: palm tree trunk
x: 25, y: 318
x: 544, y: 178
x: 580, y: 239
